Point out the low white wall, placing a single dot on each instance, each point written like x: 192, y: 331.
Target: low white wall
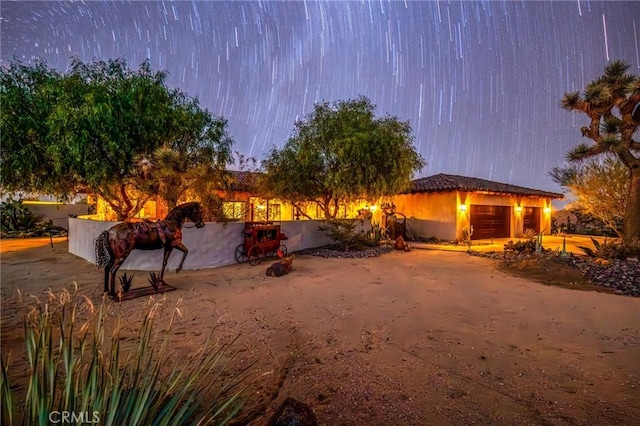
x: 57, y: 212
x: 209, y: 247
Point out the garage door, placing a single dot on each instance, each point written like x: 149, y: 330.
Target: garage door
x: 490, y: 221
x: 531, y: 218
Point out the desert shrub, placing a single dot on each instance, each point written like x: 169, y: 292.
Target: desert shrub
x: 16, y: 216
x: 612, y: 249
x: 343, y: 232
x: 72, y: 370
x: 528, y: 246
x: 377, y: 235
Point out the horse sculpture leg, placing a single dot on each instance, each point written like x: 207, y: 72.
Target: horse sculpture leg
x: 107, y: 275
x: 114, y: 269
x: 167, y: 252
x: 184, y: 251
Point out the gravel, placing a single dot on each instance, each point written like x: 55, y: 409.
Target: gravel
x: 339, y: 254
x: 622, y: 276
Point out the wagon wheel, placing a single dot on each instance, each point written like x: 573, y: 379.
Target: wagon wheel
x: 241, y: 256
x: 283, y: 250
x: 256, y: 253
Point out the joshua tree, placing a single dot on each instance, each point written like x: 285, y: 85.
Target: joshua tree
x: 612, y: 103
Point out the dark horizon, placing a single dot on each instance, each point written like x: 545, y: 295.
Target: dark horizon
x: 479, y: 82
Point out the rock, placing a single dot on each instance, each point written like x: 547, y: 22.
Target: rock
x: 293, y: 413
x: 280, y: 268
x: 401, y: 244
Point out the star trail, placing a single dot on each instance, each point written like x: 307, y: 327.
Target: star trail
x: 480, y: 82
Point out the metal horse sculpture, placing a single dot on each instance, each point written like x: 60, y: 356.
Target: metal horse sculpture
x: 113, y: 246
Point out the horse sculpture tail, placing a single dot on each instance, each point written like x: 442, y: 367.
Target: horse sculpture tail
x: 102, y: 254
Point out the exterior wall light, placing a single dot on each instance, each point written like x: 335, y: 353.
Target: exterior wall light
x: 547, y: 210
x: 462, y: 207
x: 518, y: 209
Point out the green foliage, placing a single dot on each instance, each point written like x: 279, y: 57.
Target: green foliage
x: 99, y: 126
x: 341, y: 151
x: 377, y: 234
x: 599, y: 190
x: 580, y: 152
x: 344, y: 233
x: 72, y: 369
x: 16, y: 216
x: 589, y: 251
x: 610, y: 102
x: 619, y: 249
x: 29, y: 94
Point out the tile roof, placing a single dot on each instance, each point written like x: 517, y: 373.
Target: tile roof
x: 444, y: 183
x: 242, y: 180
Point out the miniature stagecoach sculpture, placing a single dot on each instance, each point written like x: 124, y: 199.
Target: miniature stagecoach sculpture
x: 260, y: 240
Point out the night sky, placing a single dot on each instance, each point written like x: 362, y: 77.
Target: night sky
x: 480, y: 82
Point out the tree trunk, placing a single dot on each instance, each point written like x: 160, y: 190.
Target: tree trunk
x: 631, y: 227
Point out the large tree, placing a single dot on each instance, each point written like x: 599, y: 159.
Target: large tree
x: 598, y: 187
x: 341, y: 151
x: 612, y: 103
x: 98, y: 126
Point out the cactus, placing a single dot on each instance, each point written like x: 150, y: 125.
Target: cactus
x: 466, y: 236
x: 564, y: 247
x: 539, y: 242
x: 154, y: 280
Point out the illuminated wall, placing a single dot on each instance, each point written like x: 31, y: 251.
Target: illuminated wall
x: 445, y: 215
x: 430, y: 214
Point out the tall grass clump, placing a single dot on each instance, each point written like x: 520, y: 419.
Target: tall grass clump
x: 78, y: 367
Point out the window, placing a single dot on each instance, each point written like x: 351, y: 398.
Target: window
x: 341, y: 214
x: 235, y: 210
x: 274, y: 212
x: 342, y: 211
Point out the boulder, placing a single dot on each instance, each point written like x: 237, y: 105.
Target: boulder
x: 293, y: 413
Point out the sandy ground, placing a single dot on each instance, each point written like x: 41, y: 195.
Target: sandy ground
x: 419, y: 338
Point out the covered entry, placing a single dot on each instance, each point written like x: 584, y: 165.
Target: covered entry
x: 490, y: 221
x: 531, y: 218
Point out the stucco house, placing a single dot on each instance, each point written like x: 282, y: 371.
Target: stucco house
x: 441, y: 206
x: 444, y: 206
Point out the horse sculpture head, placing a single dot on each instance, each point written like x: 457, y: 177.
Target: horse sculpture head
x: 194, y: 213
x: 191, y: 211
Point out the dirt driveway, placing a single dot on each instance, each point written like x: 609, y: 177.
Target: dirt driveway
x: 419, y: 338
